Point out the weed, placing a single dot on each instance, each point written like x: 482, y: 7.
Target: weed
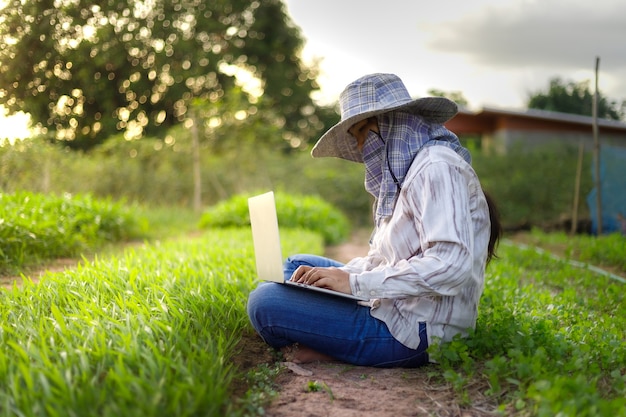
x: 315, y: 386
x: 261, y: 392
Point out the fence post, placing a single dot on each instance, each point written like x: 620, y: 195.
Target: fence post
x: 596, y: 153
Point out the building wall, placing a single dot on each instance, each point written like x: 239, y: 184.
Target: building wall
x: 503, y: 140
x: 499, y: 132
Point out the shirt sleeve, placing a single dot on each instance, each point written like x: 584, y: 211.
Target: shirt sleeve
x: 435, y: 213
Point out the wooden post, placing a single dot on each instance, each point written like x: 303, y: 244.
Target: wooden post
x: 195, y: 150
x: 596, y: 153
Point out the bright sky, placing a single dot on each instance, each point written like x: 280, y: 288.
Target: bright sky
x: 495, y: 52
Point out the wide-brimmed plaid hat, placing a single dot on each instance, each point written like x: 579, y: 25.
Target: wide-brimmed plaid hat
x: 372, y: 95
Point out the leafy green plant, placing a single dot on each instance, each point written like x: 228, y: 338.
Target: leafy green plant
x: 294, y: 211
x: 262, y: 390
x: 607, y: 250
x: 549, y: 339
x: 534, y: 187
x: 316, y: 386
x: 36, y: 226
x: 313, y: 386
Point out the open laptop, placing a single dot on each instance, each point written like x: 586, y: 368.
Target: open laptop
x: 267, y: 251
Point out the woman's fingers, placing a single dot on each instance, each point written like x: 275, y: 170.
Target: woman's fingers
x: 307, y: 274
x: 299, y: 274
x: 333, y: 278
x: 311, y: 276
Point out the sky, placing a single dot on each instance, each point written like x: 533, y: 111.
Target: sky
x: 495, y: 52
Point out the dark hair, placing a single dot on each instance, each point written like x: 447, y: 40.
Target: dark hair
x: 496, y: 227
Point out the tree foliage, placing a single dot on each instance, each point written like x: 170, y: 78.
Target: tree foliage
x: 574, y: 98
x: 455, y: 96
x: 85, y: 71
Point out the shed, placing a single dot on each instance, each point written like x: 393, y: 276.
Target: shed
x: 499, y: 129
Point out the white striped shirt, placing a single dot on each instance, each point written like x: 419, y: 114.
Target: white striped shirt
x: 426, y: 262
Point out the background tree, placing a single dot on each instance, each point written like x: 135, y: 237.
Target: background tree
x: 86, y: 71
x: 574, y: 98
x: 455, y: 96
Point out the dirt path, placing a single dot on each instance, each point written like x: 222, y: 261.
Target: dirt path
x: 356, y: 246
x: 35, y: 273
x: 339, y: 390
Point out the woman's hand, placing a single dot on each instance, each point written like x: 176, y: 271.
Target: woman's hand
x: 331, y: 278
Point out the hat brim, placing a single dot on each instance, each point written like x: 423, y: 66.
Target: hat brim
x: 338, y: 143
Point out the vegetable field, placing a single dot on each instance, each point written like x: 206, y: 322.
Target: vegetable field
x: 154, y: 330
x: 549, y: 341
x: 149, y: 333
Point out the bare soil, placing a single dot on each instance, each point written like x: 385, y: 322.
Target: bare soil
x: 339, y: 390
x: 35, y: 273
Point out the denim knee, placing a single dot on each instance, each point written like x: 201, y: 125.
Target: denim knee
x: 265, y: 311
x: 257, y: 301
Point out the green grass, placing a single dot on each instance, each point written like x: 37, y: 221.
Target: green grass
x: 150, y: 333
x: 35, y: 227
x: 606, y: 250
x: 167, y: 222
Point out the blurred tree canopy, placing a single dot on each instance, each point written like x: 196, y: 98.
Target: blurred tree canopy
x: 86, y: 71
x: 455, y: 96
x: 574, y: 98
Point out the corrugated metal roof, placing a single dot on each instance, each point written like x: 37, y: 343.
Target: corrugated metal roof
x: 544, y: 115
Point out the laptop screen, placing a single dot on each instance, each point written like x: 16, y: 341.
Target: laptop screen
x: 266, y: 238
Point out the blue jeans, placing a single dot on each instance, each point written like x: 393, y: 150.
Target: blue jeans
x: 334, y: 326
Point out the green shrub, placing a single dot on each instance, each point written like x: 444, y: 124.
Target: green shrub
x: 294, y: 211
x: 606, y: 250
x: 229, y: 213
x: 532, y: 187
x: 536, y: 187
x: 35, y: 226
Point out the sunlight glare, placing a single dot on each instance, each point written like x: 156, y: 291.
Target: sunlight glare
x: 14, y: 127
x: 245, y: 78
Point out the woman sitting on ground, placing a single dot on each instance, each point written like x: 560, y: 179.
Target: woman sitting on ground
x: 435, y: 231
